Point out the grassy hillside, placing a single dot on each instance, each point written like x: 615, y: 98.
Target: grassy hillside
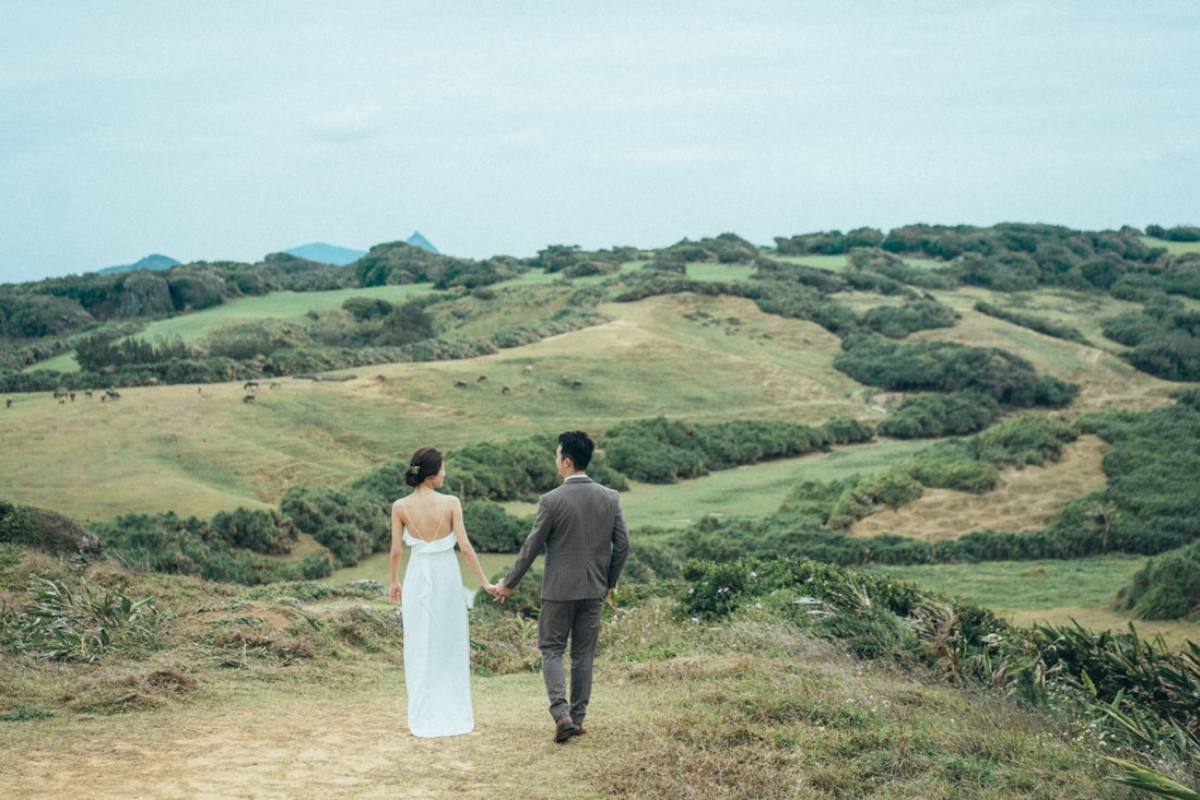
x: 762, y: 702
x: 298, y: 691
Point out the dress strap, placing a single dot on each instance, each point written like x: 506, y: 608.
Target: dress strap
x: 441, y: 522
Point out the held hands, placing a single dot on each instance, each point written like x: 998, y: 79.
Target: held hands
x: 499, y: 592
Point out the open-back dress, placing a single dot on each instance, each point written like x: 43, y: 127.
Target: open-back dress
x: 437, y: 650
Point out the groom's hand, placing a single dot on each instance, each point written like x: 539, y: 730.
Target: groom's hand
x: 501, y: 593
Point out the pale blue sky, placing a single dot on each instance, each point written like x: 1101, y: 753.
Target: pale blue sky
x: 227, y: 130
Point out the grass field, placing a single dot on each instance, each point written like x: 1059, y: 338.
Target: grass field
x: 1056, y: 592
x: 198, y: 450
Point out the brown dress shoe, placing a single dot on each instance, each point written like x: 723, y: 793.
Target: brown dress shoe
x: 579, y: 729
x: 564, y: 728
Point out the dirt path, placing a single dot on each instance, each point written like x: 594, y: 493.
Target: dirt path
x: 288, y: 743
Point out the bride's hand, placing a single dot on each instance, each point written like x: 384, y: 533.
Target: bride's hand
x: 395, y: 593
x: 490, y: 588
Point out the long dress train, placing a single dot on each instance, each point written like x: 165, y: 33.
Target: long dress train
x: 437, y: 649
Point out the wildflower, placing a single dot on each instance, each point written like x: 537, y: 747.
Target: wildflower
x: 695, y: 620
x: 758, y: 605
x: 753, y: 574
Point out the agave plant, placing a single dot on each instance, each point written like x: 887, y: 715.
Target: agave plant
x: 1152, y: 781
x: 62, y: 624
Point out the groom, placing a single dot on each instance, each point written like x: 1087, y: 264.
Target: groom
x: 583, y: 530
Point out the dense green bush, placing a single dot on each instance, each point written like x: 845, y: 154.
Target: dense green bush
x: 926, y: 415
x: 827, y: 242
x: 881, y: 262
x: 47, y: 531
x: 171, y: 544
x: 395, y: 263
x: 491, y: 529
x: 404, y: 324
x: 896, y: 322
x: 351, y: 523
x: 944, y: 367
x: 1028, y: 440
x: 263, y: 531
x: 662, y: 451
x: 1179, y: 233
x: 513, y: 469
x: 94, y: 353
x: 1167, y: 587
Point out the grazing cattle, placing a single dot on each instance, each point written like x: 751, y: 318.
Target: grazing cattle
x: 103, y: 397
x: 505, y: 389
x: 60, y: 392
x: 72, y: 397
x: 248, y: 398
x: 482, y: 378
x: 577, y: 384
x: 8, y: 402
x: 528, y: 369
x: 62, y: 402
x: 541, y: 390
x: 565, y: 380
x: 87, y: 392
x: 275, y: 384
x: 250, y: 385
x: 460, y: 384
x: 113, y: 393
x: 199, y: 390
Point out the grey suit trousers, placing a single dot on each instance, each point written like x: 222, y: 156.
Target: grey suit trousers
x: 580, y: 620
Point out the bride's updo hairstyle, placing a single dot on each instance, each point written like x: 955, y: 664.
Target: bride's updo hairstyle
x: 425, y: 463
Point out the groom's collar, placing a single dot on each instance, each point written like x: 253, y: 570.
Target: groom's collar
x: 576, y: 476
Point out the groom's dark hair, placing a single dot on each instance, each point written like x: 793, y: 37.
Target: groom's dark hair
x: 577, y: 446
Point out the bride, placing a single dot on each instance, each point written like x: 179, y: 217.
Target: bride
x: 437, y: 652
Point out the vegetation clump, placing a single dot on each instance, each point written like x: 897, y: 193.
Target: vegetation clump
x: 1034, y: 323
x: 929, y: 415
x: 949, y: 367
x: 663, y: 451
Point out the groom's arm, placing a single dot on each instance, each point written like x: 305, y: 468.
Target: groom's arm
x: 530, y: 549
x: 620, y: 548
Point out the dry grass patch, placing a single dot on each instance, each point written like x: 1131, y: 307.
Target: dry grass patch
x: 1024, y: 500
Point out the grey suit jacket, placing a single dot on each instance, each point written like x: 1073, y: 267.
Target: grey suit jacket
x: 583, y: 530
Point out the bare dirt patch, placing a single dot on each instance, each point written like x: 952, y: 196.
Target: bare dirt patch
x: 303, y: 742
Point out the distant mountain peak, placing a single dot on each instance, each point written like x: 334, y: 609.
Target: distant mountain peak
x: 153, y: 261
x: 326, y: 253
x: 417, y: 240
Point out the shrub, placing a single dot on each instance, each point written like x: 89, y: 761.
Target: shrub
x: 259, y: 530
x: 1167, y: 587
x: 1030, y: 439
x: 1034, y: 323
x: 896, y: 322
x: 351, y: 523
x: 935, y: 415
x: 47, y: 531
x: 491, y: 529
x: 938, y: 366
x: 405, y: 324
x: 662, y: 451
x: 168, y: 543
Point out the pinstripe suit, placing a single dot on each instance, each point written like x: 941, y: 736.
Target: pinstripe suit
x: 582, y: 528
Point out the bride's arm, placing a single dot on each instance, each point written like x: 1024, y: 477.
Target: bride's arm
x: 464, y: 544
x: 397, y: 551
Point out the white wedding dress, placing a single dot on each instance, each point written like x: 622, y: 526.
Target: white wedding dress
x: 437, y: 649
